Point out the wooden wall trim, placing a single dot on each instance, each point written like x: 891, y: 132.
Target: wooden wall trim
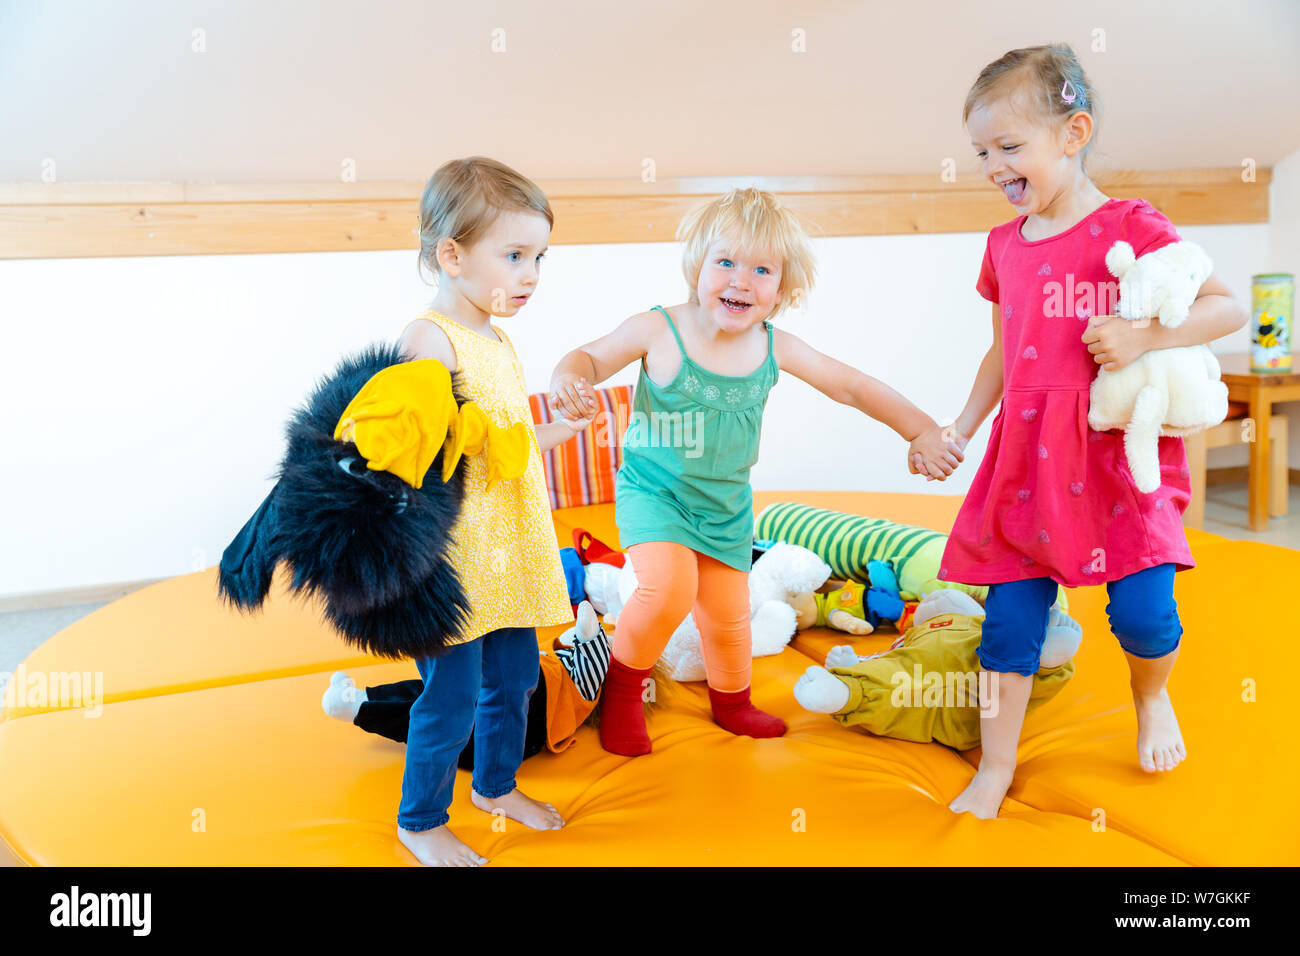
x: 71, y: 220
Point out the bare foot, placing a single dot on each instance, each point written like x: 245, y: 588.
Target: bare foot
x: 439, y: 847
x: 1160, y: 742
x: 517, y: 805
x: 983, y: 795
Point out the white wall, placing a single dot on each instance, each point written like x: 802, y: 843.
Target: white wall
x: 1284, y: 217
x: 145, y: 397
x: 1281, y: 254
x: 287, y: 91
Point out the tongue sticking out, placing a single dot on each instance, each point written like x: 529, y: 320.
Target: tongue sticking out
x: 1015, y: 190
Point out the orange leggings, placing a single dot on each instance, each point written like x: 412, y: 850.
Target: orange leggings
x: 672, y: 580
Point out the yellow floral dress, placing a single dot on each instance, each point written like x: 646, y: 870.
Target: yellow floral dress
x: 504, y: 546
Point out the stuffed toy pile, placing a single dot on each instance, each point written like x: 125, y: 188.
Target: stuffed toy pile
x: 851, y: 544
x: 852, y: 607
x: 782, y: 583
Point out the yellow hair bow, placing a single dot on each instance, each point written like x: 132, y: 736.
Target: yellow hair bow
x: 405, y: 413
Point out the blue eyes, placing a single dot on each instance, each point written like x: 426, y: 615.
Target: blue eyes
x: 980, y: 154
x: 514, y: 256
x: 727, y: 264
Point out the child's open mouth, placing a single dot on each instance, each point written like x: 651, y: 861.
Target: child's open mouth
x: 1015, y: 190
x: 735, y: 305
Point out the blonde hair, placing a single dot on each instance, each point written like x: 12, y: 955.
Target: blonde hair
x: 754, y: 220
x: 464, y: 196
x: 1048, y: 79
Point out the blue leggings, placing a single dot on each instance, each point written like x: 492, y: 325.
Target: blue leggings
x: 1142, y: 612
x: 482, y: 686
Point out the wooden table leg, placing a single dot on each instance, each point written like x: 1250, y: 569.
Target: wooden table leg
x: 1279, y: 482
x: 1261, y: 411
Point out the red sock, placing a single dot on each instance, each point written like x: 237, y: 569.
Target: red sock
x: 622, y: 716
x: 734, y: 712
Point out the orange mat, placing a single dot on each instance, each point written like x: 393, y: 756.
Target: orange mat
x: 210, y: 748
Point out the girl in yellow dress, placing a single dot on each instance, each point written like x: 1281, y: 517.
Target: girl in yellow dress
x: 483, y: 231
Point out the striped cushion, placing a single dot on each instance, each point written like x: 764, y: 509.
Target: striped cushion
x: 582, y: 472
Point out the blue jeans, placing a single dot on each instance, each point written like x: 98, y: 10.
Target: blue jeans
x: 1142, y: 612
x: 481, y: 686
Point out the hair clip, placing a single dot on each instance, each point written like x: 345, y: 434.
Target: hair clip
x: 1067, y: 93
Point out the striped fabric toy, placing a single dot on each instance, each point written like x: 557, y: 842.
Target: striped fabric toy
x: 582, y: 472
x: 586, y: 662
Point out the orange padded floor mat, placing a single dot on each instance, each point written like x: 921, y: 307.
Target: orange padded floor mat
x: 210, y: 748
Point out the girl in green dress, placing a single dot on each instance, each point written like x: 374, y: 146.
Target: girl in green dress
x: 683, y: 503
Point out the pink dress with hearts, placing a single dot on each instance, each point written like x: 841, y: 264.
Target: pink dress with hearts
x: 1052, y: 497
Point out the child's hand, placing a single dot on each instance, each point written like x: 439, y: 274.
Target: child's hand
x: 571, y: 395
x: 956, y: 439
x: 936, y: 452
x: 1116, y: 343
x: 576, y: 425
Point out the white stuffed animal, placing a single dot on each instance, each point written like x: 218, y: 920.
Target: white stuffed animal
x: 600, y: 581
x: 1166, y: 391
x: 780, y: 573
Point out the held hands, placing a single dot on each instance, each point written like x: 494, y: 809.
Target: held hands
x: 936, y: 452
x: 575, y: 425
x: 1115, y: 342
x: 572, y: 398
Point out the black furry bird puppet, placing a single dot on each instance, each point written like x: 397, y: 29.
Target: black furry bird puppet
x: 368, y: 493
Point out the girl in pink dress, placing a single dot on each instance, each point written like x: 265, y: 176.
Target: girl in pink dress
x: 1054, y: 502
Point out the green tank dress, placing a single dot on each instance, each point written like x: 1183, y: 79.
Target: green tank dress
x: 687, y: 453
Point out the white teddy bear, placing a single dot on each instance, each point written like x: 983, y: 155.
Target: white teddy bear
x: 777, y: 576
x: 1174, y: 391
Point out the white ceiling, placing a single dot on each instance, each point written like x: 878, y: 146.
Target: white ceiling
x: 287, y: 91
